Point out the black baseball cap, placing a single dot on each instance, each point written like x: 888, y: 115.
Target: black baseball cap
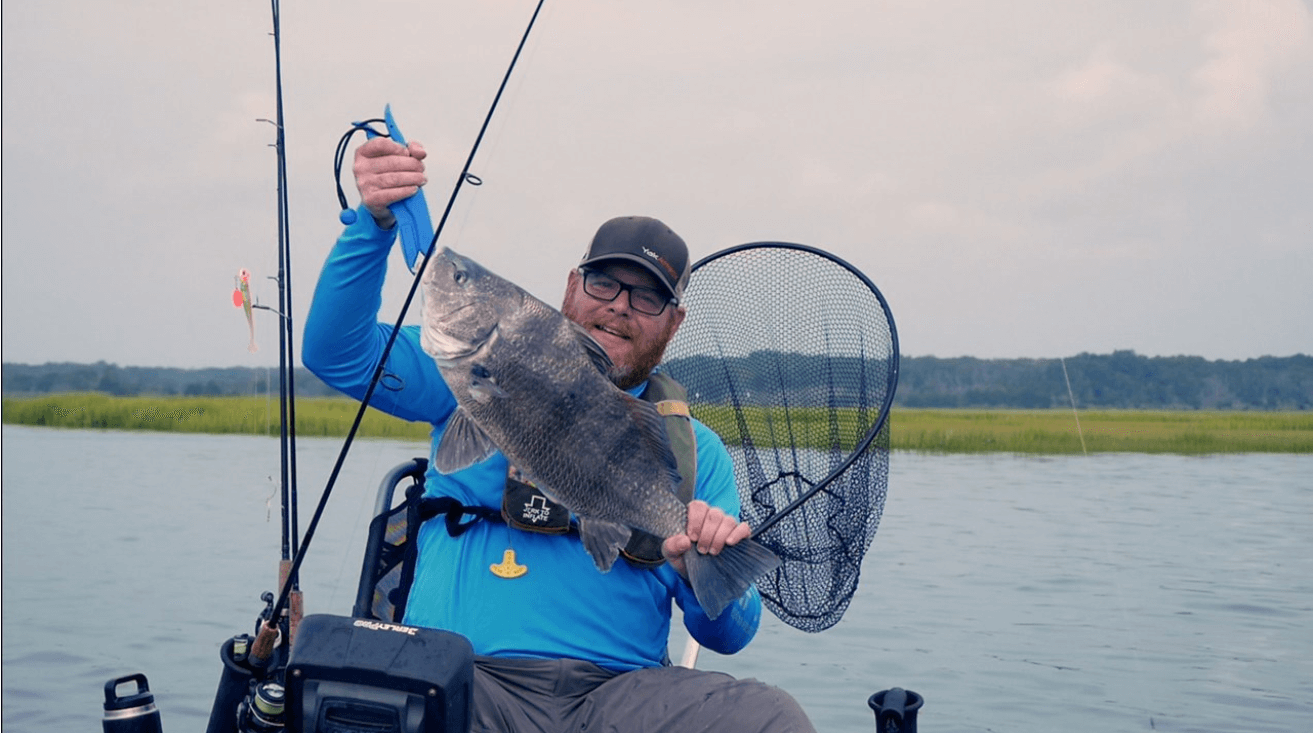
x: 646, y: 242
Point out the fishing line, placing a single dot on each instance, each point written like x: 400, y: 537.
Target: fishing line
x: 1134, y: 651
x: 463, y: 178
x: 1073, y: 406
x: 496, y: 137
x: 365, y: 501
x: 269, y: 402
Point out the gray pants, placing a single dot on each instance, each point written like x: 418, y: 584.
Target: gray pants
x: 543, y: 695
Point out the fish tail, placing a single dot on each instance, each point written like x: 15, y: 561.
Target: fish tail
x: 718, y: 580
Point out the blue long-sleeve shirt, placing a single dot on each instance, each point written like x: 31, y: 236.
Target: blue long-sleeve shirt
x: 563, y: 607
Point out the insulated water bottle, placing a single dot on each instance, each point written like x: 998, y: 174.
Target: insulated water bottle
x: 135, y: 713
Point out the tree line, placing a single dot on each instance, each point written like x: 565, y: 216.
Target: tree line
x: 28, y: 379
x: 1120, y: 380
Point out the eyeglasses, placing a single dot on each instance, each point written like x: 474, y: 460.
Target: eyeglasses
x: 606, y: 288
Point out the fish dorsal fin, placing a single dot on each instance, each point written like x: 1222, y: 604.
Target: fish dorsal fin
x: 463, y: 444
x: 654, y: 431
x: 593, y: 349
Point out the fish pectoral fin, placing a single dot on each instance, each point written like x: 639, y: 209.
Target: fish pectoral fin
x: 483, y: 385
x: 593, y: 349
x: 603, y: 540
x: 464, y: 443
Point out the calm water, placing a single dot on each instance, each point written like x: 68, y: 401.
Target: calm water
x: 1109, y: 593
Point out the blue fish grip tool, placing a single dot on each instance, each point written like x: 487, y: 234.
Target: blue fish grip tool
x: 413, y: 214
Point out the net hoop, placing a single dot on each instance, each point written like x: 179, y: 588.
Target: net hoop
x: 780, y: 336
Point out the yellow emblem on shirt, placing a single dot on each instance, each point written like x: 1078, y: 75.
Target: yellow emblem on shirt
x: 508, y: 567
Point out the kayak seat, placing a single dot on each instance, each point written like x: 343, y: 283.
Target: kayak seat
x: 389, y: 562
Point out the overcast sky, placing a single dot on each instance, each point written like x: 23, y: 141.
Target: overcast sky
x: 1021, y: 179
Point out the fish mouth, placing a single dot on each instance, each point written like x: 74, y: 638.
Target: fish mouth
x: 447, y: 351
x: 449, y: 337
x: 452, y: 314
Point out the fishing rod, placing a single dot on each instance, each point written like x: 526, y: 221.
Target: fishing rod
x: 287, y: 388
x: 283, y: 310
x: 287, y: 391
x: 248, y: 698
x: 265, y: 641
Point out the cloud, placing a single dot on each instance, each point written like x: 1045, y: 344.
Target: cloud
x: 1249, y: 46
x: 1035, y: 156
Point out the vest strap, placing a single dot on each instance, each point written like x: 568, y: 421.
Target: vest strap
x: 668, y: 396
x: 667, y: 408
x: 453, y: 511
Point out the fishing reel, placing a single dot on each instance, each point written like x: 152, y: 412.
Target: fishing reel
x: 262, y: 710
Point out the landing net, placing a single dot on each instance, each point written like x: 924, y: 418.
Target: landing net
x: 791, y: 355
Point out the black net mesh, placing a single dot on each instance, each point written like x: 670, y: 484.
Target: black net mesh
x: 791, y: 355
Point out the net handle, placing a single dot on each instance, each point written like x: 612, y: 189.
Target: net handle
x: 893, y: 372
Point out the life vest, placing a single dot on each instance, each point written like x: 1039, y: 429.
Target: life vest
x: 526, y: 508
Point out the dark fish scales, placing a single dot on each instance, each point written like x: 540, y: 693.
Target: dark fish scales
x: 532, y: 384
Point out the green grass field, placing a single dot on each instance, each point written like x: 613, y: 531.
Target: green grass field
x: 928, y: 431
x: 329, y: 416
x: 1104, y: 431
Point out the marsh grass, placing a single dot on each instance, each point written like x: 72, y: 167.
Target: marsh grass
x: 319, y: 416
x: 928, y: 431
x: 1104, y: 431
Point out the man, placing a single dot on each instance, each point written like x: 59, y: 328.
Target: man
x: 559, y: 645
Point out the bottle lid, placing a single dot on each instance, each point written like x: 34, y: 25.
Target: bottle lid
x: 139, y: 699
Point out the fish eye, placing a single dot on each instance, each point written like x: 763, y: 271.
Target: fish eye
x: 460, y: 277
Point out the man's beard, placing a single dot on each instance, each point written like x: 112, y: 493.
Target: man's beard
x: 643, y: 361
x: 626, y: 377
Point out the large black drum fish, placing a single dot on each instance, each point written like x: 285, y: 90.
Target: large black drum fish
x: 533, y: 384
